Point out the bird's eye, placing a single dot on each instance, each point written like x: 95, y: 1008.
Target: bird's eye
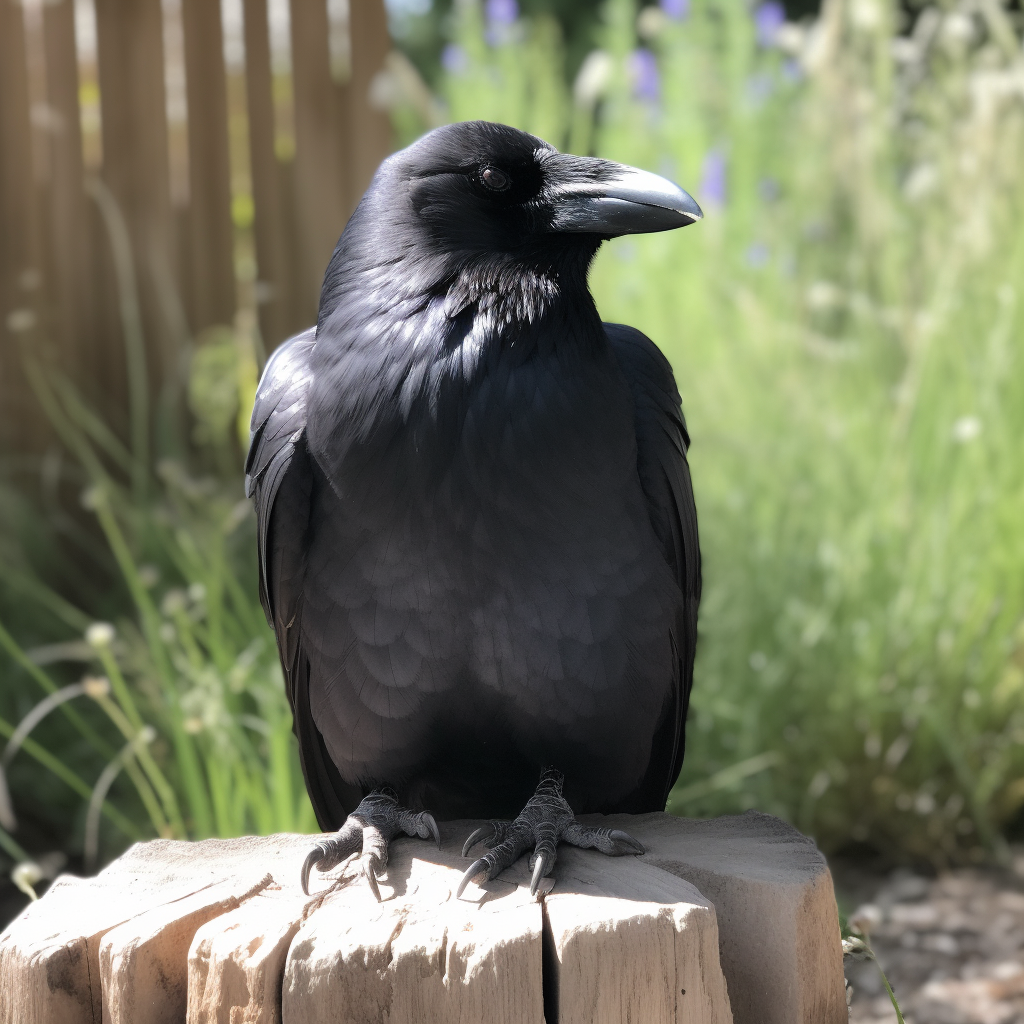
x: 494, y: 179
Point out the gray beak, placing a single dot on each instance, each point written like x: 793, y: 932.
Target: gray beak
x: 609, y: 199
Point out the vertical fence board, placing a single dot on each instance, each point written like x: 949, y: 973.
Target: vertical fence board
x: 57, y: 274
x: 135, y: 160
x: 369, y: 136
x: 70, y: 241
x: 319, y: 168
x: 19, y: 249
x: 272, y: 240
x: 211, y: 241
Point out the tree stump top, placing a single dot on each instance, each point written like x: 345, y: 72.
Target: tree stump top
x: 731, y: 919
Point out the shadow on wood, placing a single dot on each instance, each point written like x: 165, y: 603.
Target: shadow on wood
x: 221, y: 929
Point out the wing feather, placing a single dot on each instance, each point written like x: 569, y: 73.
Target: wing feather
x: 279, y: 479
x: 662, y: 442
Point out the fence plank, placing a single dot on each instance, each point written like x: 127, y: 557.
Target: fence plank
x: 211, y: 237
x: 70, y: 241
x: 19, y: 249
x: 320, y: 172
x: 369, y: 136
x: 56, y: 258
x: 135, y: 161
x: 272, y: 239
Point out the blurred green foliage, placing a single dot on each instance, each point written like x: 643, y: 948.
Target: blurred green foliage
x: 183, y: 713
x: 847, y: 328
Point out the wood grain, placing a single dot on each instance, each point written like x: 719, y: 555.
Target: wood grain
x: 732, y: 919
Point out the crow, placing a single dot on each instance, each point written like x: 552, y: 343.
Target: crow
x: 477, y: 535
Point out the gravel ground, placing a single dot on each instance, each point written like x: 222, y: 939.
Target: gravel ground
x: 952, y: 946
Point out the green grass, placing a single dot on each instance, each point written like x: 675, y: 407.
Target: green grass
x: 183, y: 690
x: 846, y: 327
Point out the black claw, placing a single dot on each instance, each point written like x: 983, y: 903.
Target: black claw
x: 476, y: 837
x: 625, y: 839
x: 428, y: 820
x: 371, y: 877
x: 472, y: 871
x: 540, y: 869
x: 317, y: 853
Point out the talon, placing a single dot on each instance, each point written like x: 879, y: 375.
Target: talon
x: 428, y: 820
x: 540, y: 869
x: 474, y: 869
x: 476, y: 837
x: 627, y: 840
x: 371, y: 877
x: 317, y: 853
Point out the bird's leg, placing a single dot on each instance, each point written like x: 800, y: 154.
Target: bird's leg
x: 544, y: 822
x: 369, y: 828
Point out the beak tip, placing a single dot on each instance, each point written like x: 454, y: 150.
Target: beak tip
x: 620, y: 200
x: 691, y: 208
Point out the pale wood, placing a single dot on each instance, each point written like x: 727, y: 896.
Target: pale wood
x: 619, y: 911
x: 237, y: 960
x: 144, y: 962
x: 423, y: 954
x: 50, y: 956
x: 777, y: 915
x: 722, y: 920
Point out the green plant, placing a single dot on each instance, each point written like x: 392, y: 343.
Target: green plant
x: 185, y: 723
x: 846, y: 327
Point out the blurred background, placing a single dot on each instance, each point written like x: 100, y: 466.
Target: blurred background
x: 846, y: 327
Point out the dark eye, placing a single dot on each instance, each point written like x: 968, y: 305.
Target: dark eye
x: 495, y: 179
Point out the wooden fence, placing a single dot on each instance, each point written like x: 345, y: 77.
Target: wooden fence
x: 234, y: 205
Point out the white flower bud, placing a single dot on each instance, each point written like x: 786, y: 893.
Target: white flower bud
x: 100, y: 634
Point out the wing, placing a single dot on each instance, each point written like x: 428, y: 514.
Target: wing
x: 279, y: 478
x: 662, y: 443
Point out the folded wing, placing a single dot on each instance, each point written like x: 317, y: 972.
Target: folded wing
x: 662, y: 443
x: 279, y: 478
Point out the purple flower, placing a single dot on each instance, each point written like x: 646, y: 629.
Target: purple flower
x: 501, y: 13
x: 757, y: 255
x: 677, y: 10
x: 643, y: 70
x: 712, y: 184
x: 768, y: 19
x: 453, y: 59
x: 792, y: 71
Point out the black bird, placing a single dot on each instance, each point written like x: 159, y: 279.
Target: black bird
x: 477, y: 534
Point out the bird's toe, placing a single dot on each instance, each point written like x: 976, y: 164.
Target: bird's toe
x: 610, y: 841
x: 473, y: 872
x: 369, y: 829
x: 331, y: 851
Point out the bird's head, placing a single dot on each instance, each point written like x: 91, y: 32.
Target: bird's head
x: 476, y: 196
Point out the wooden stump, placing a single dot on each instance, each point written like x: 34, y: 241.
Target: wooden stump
x: 734, y: 912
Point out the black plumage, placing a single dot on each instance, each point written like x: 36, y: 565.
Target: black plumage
x: 478, y: 539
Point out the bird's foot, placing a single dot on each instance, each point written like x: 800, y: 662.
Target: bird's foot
x: 369, y: 828
x: 544, y: 822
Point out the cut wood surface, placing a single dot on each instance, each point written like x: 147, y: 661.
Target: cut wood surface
x: 734, y: 911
